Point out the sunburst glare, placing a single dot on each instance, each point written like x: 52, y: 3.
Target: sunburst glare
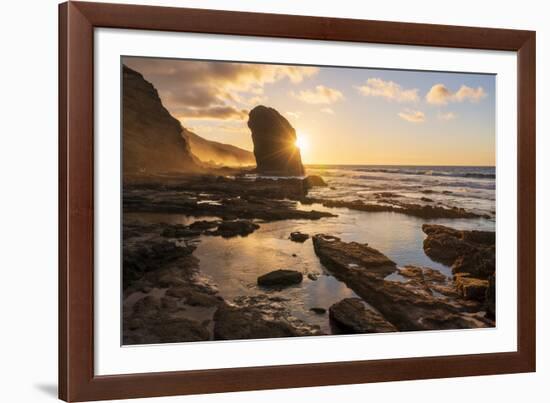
x: 302, y: 142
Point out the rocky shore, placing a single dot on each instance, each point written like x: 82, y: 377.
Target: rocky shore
x: 227, y: 198
x: 167, y: 298
x: 417, y: 299
x: 390, y: 204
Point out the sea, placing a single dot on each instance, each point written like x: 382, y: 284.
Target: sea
x: 469, y: 187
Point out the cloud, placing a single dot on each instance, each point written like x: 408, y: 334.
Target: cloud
x: 412, y: 116
x: 327, y: 110
x: 216, y: 128
x: 376, y: 87
x: 320, y: 95
x: 295, y: 115
x: 446, y: 115
x: 439, y: 94
x: 186, y: 85
x: 225, y: 112
x: 471, y: 94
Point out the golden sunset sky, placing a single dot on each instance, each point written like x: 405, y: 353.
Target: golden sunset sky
x: 341, y: 115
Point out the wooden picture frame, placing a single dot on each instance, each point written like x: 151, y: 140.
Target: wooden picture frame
x: 77, y: 21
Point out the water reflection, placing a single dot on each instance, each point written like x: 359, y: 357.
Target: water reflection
x: 234, y: 264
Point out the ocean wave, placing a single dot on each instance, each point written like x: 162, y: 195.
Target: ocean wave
x: 429, y: 172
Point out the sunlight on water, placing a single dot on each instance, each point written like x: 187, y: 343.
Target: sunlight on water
x: 234, y: 264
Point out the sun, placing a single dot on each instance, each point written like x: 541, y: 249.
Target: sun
x: 302, y: 142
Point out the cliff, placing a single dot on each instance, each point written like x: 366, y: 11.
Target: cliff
x: 152, y: 138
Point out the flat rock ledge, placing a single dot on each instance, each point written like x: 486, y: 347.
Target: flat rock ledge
x: 344, y: 257
x: 409, y: 305
x: 226, y: 198
x: 395, y: 206
x: 225, y: 229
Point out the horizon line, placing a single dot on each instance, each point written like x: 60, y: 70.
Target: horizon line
x: 401, y: 165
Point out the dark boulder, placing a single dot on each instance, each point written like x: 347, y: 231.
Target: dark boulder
x: 298, y: 237
x: 314, y: 180
x: 203, y: 225
x: 352, y: 316
x: 280, y: 278
x: 274, y: 143
x: 228, y: 229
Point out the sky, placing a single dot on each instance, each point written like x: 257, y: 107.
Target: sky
x: 342, y: 115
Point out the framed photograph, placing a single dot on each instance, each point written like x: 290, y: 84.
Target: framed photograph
x: 256, y: 201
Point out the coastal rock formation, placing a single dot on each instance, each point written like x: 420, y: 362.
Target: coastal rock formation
x: 406, y: 305
x: 161, y: 286
x: 471, y: 287
x: 258, y: 317
x: 229, y: 199
x: 154, y: 320
x: 395, y: 206
x: 352, y: 316
x: 142, y: 257
x: 193, y: 297
x: 422, y: 274
x: 274, y: 143
x: 342, y: 257
x: 225, y: 229
x: 470, y: 252
x: 152, y: 138
x: 280, y: 278
x: 228, y: 229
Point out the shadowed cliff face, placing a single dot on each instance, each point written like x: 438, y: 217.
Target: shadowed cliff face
x: 274, y: 143
x: 152, y: 138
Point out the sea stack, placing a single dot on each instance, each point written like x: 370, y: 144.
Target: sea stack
x: 274, y: 143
